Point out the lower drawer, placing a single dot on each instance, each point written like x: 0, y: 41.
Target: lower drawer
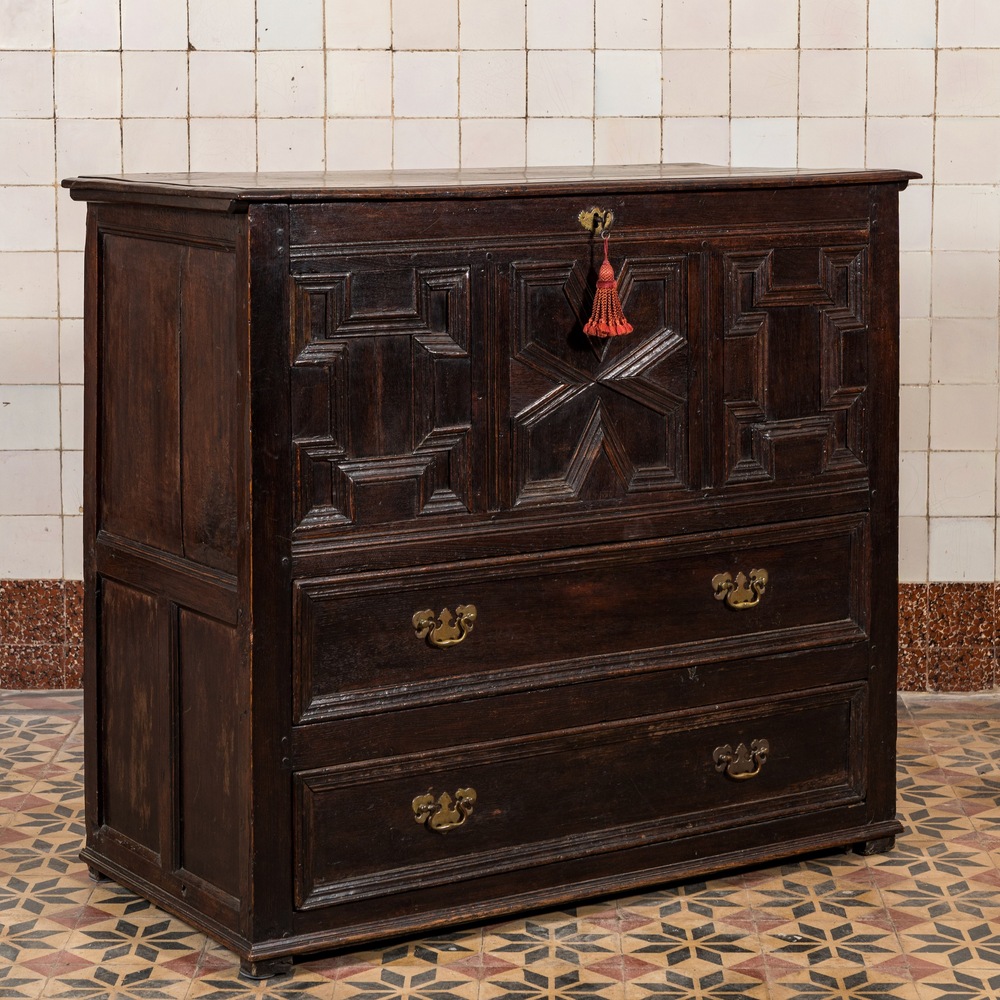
x: 389, y: 826
x: 402, y: 638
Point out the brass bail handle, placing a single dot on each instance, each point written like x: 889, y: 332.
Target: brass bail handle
x: 597, y: 220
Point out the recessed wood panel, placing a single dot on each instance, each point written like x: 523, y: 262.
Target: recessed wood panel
x: 213, y: 742
x: 382, y: 393
x: 597, y: 419
x: 140, y: 391
x: 135, y: 714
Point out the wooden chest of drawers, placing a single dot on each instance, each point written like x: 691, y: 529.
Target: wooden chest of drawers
x: 409, y: 603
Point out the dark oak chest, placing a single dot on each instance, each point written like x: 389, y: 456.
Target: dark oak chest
x: 409, y: 603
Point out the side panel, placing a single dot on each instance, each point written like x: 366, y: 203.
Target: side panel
x: 167, y: 729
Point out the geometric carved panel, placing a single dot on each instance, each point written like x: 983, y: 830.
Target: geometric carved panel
x: 796, y: 363
x: 381, y: 394
x: 598, y: 418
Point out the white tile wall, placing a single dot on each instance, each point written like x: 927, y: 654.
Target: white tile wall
x: 98, y: 86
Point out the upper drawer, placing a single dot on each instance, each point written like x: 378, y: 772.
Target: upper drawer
x: 370, y: 641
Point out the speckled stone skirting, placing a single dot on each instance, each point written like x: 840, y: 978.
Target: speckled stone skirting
x: 41, y: 633
x: 948, y: 636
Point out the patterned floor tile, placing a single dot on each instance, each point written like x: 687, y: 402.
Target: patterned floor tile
x: 921, y: 922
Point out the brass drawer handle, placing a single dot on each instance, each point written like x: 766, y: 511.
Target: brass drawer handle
x: 444, y: 813
x: 742, y: 763
x: 447, y: 629
x: 739, y: 593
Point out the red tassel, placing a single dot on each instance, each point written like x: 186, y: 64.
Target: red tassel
x: 607, y: 318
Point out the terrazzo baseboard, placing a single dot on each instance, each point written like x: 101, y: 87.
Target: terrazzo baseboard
x: 41, y: 634
x: 948, y: 635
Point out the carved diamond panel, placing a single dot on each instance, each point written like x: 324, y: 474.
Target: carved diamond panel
x: 598, y: 419
x: 381, y: 394
x: 796, y: 366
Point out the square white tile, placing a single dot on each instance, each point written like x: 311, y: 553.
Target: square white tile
x: 29, y: 287
x: 71, y: 351
x: 697, y: 140
x: 425, y: 84
x: 902, y: 143
x: 290, y: 84
x: 425, y: 24
x: 223, y: 144
x: 560, y: 85
x: 359, y: 144
x: 967, y: 150
x: 763, y: 142
x: 30, y: 482
x: 914, y: 417
x: 962, y: 484
x: 88, y: 146
x: 425, y: 144
x: 26, y: 85
x: 968, y: 82
x: 493, y: 142
x: 900, y: 82
x: 493, y: 24
x: 71, y: 416
x: 29, y: 151
x: 696, y: 24
x: 913, y: 484
x: 963, y: 417
x: 86, y: 25
x: 627, y: 140
x: 72, y: 483
x: 359, y: 84
x: 560, y: 141
x: 31, y: 548
x: 70, y: 264
x: 961, y: 549
x: 351, y: 25
x: 26, y: 25
x: 695, y: 83
x: 964, y: 351
x: 765, y: 83
x: 831, y: 142
x: 965, y: 284
x: 765, y: 24
x: 88, y: 84
x: 291, y: 144
x: 30, y: 351
x: 967, y: 217
x: 160, y: 25
x: 627, y: 83
x: 559, y: 24
x: 222, y: 84
x: 493, y: 84
x: 152, y: 145
x: 902, y: 24
x: 29, y: 218
x: 628, y: 24
x: 915, y: 351
x: 832, y: 83
x: 29, y: 417
x: 833, y: 24
x: 283, y: 25
x: 228, y: 26
x: 913, y: 550
x: 154, y: 84
x: 968, y: 24
x: 914, y: 284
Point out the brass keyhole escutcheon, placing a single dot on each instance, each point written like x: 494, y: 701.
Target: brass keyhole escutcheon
x: 742, y: 592
x: 444, y: 812
x: 742, y: 763
x: 446, y: 629
x: 596, y: 220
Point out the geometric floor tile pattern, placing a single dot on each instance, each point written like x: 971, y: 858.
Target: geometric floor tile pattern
x: 921, y: 922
